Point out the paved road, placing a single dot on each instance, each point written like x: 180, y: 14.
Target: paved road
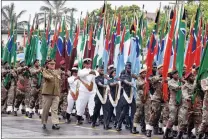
x: 23, y: 127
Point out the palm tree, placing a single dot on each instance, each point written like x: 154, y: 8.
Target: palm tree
x: 8, y: 11
x: 58, y: 10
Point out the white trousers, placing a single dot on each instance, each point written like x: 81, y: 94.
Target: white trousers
x: 82, y: 101
x: 70, y: 102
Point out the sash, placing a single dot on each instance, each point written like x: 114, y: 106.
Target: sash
x: 114, y: 103
x: 128, y: 99
x: 104, y: 98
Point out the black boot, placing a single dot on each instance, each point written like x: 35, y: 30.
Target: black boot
x: 68, y: 120
x: 148, y: 133
x: 143, y: 129
x: 63, y: 114
x: 101, y: 119
x: 200, y: 136
x: 49, y: 114
x: 79, y: 122
x: 9, y: 112
x: 114, y: 124
x: 180, y: 135
x: 167, y: 134
x: 15, y: 113
x: 190, y: 135
x: 55, y: 127
x: 156, y: 130
x: 26, y: 114
x: 174, y: 133
x: 44, y: 126
x: 23, y: 111
x: 93, y: 125
x: 118, y: 127
x: 107, y: 127
x: 206, y: 135
x: 134, y: 131
x: 30, y: 115
x: 160, y: 131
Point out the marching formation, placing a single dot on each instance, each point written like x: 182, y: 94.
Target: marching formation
x: 114, y: 101
x: 105, y: 79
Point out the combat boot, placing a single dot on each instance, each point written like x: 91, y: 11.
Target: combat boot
x: 63, y: 114
x: 156, y: 130
x: 206, y: 135
x: 160, y: 131
x: 148, y: 133
x: 79, y: 122
x: 190, y: 135
x: 180, y: 135
x: 200, y: 136
x: 174, y: 133
x: 30, y: 115
x: 23, y: 111
x: 118, y: 127
x: 44, y: 126
x: 9, y: 112
x: 27, y: 114
x: 134, y: 131
x: 167, y: 134
x: 68, y: 120
x: 15, y: 113
x: 114, y: 124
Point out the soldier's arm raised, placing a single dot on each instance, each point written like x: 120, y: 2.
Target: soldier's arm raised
x: 46, y: 75
x: 173, y: 86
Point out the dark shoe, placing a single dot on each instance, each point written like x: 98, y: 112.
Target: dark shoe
x: 134, y: 131
x: 200, y: 136
x: 63, y: 114
x: 82, y: 118
x: 93, y: 125
x: 30, y: 115
x: 118, y: 129
x: 49, y: 114
x: 55, y: 127
x: 23, y: 111
x: 127, y: 126
x: 180, y: 135
x: 68, y: 120
x: 115, y: 124
x: 148, y: 133
x: 108, y: 127
x: 36, y: 111
x: 97, y: 124
x: 167, y: 134
x: 143, y: 130
x: 15, y: 113
x: 44, y: 126
x: 39, y: 116
x: 160, y: 131
x: 9, y: 112
x: 156, y: 131
x: 26, y: 114
x: 174, y: 133
x: 206, y: 136
x: 79, y: 122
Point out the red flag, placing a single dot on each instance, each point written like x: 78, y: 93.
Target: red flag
x: 198, y: 45
x: 90, y: 38
x: 76, y: 37
x: 166, y: 62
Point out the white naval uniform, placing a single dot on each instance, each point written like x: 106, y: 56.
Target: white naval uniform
x: 70, y: 99
x: 85, y: 96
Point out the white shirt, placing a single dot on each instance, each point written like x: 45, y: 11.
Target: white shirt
x: 72, y: 83
x: 85, y: 77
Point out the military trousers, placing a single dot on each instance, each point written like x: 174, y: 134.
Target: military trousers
x: 108, y: 112
x: 52, y: 102
x: 63, y: 102
x: 35, y: 97
x: 11, y: 98
x: 19, y: 99
x: 4, y: 96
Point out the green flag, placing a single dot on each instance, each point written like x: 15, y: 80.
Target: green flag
x: 181, y: 51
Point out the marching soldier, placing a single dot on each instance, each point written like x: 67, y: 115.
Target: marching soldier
x: 156, y: 101
x: 64, y: 89
x: 4, y: 86
x: 203, y: 128
x: 73, y: 92
x: 174, y: 87
x: 100, y: 97
x: 86, y: 89
x: 126, y: 96
x: 12, y: 91
x: 50, y: 94
x: 186, y: 105
x: 142, y: 102
x: 22, y: 86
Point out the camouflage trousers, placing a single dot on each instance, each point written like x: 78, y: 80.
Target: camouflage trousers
x: 35, y: 98
x: 4, y: 96
x: 63, y: 102
x: 11, y: 97
x: 142, y: 109
x: 164, y: 114
x: 153, y: 113
x: 204, y: 125
x: 173, y: 115
x: 19, y: 98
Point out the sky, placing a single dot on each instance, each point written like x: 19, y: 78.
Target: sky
x: 33, y: 7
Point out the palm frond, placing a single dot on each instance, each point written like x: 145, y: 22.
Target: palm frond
x: 4, y: 15
x: 20, y: 14
x: 44, y: 8
x: 47, y: 2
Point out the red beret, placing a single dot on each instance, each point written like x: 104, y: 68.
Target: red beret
x: 62, y: 62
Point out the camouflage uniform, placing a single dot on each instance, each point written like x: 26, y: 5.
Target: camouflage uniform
x: 22, y: 88
x: 173, y: 106
x: 204, y: 125
x: 35, y: 94
x: 142, y: 104
x: 186, y: 106
x: 64, y: 92
x: 156, y: 102
x: 12, y: 91
x: 4, y: 90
